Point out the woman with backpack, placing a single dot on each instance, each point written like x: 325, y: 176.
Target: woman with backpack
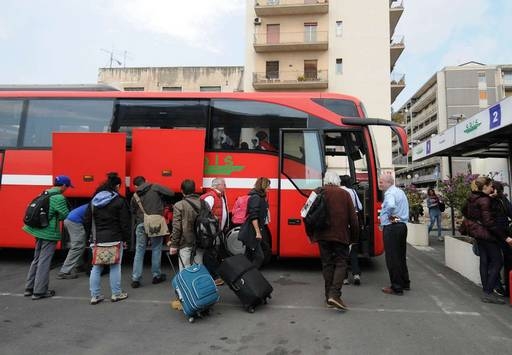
x: 434, y: 212
x: 254, y: 229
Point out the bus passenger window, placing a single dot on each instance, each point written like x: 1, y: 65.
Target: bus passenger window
x: 47, y: 116
x: 10, y: 114
x: 250, y: 125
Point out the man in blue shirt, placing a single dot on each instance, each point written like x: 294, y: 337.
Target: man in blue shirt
x: 393, y: 218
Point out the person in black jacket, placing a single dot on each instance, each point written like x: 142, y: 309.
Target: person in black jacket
x: 108, y: 221
x: 254, y: 228
x: 502, y: 210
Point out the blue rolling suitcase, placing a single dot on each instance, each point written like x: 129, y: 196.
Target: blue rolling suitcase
x: 195, y: 289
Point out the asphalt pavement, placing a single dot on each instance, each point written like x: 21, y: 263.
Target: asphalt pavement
x: 442, y: 314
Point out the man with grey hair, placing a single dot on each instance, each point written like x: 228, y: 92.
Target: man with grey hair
x: 216, y: 200
x: 393, y: 217
x: 334, y: 240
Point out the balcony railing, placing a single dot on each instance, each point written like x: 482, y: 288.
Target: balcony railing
x: 396, y: 48
x: 397, y: 85
x: 290, y: 80
x: 290, y: 7
x: 291, y: 41
x: 395, y: 12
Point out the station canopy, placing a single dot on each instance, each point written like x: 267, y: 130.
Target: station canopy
x: 488, y: 134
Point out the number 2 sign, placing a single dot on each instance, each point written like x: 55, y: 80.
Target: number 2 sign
x: 495, y: 116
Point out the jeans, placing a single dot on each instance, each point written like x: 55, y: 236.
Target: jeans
x: 334, y: 257
x: 77, y: 236
x: 354, y: 260
x: 38, y: 276
x: 140, y: 250
x: 435, y: 217
x: 114, y: 276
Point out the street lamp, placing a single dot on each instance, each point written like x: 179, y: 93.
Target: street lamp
x: 458, y: 118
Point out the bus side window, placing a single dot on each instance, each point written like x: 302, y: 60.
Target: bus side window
x: 10, y: 115
x: 47, y: 116
x: 250, y: 125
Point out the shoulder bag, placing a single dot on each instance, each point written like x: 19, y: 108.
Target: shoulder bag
x: 154, y: 224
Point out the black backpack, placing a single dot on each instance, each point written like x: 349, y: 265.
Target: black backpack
x: 36, y: 214
x: 317, y: 218
x: 206, y: 226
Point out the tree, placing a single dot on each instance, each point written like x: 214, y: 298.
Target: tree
x: 455, y: 190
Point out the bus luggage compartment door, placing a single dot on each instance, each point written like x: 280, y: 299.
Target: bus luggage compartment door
x: 87, y: 157
x: 168, y: 156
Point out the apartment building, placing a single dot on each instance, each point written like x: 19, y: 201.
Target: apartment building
x: 449, y: 96
x: 226, y: 79
x: 339, y: 46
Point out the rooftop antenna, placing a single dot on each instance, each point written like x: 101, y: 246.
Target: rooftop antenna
x: 112, y: 58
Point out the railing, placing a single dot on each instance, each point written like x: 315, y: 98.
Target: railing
x: 425, y: 98
x: 397, y: 4
x: 397, y: 79
x: 304, y: 37
x: 397, y: 41
x: 265, y: 3
x: 290, y: 77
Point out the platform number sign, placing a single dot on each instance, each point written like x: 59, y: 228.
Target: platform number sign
x: 495, y: 116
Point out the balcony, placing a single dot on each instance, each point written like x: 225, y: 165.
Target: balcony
x: 291, y: 41
x: 397, y: 85
x: 285, y: 80
x: 290, y: 7
x: 396, y: 9
x: 396, y: 48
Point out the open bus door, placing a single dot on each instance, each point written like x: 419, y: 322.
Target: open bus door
x: 86, y: 158
x: 301, y: 167
x: 168, y: 156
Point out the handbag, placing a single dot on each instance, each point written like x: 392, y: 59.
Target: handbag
x: 155, y: 225
x: 104, y: 253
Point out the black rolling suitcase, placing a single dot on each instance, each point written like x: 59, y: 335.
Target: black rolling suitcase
x: 246, y: 281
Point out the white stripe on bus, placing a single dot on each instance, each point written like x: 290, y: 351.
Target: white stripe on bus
x: 231, y: 183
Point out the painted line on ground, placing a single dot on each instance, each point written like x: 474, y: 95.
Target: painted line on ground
x: 271, y: 306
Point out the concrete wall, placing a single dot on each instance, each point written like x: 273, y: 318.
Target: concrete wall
x: 229, y: 79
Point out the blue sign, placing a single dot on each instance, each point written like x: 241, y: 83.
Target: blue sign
x: 495, y: 116
x: 429, y: 147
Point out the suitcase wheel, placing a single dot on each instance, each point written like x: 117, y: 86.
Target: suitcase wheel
x: 250, y: 309
x: 191, y: 320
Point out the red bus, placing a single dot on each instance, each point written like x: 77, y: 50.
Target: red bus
x: 168, y: 137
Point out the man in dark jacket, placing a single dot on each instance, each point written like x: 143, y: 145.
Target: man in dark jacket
x: 150, y: 196
x: 334, y: 241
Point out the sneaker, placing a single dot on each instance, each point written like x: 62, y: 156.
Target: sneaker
x: 119, y: 297
x: 492, y: 299
x: 346, y: 281
x: 441, y: 239
x: 28, y: 292
x: 176, y: 304
x: 357, y: 280
x: 158, y: 279
x: 66, y: 276
x: 500, y: 291
x: 38, y: 296
x: 97, y: 299
x: 337, y: 303
x: 219, y: 282
x: 135, y: 284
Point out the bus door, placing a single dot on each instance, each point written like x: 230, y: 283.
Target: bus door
x: 87, y: 158
x: 301, y: 167
x: 168, y: 156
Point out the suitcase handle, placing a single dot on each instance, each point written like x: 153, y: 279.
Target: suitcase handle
x: 170, y: 261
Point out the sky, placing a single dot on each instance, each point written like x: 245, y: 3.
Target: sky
x: 66, y: 41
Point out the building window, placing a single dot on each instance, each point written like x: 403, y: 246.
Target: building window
x: 339, y: 28
x: 272, y: 69
x: 339, y: 66
x: 482, y: 90
x: 134, y: 88
x: 311, y: 69
x: 273, y: 34
x: 171, y: 88
x: 210, y: 88
x: 310, y: 32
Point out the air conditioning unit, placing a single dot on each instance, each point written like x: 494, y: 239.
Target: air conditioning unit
x: 257, y: 21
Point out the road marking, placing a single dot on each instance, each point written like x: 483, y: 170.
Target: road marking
x: 446, y: 310
x: 271, y: 306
